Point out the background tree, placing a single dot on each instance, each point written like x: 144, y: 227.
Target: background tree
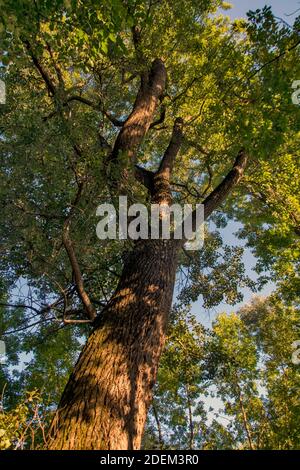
x: 245, y: 362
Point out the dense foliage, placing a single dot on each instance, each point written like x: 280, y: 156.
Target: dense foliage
x: 72, y: 71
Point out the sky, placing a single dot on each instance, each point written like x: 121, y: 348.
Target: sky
x: 281, y: 8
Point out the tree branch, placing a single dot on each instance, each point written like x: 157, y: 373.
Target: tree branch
x: 274, y: 59
x: 145, y: 177
x: 55, y: 65
x: 31, y: 325
x: 116, y: 122
x: 162, y: 188
x: 159, y: 429
x: 67, y: 242
x: 78, y: 98
x: 219, y: 194
x: 139, y: 120
x: 161, y: 118
x: 89, y: 308
x: 46, y: 77
x: 167, y: 162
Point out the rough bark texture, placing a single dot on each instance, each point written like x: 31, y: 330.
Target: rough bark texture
x: 138, y: 122
x: 105, y: 403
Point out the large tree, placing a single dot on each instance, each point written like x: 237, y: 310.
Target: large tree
x: 160, y: 101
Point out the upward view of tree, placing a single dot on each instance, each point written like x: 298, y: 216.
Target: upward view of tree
x: 161, y: 102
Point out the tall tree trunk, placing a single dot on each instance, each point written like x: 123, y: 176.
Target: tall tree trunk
x: 105, y: 403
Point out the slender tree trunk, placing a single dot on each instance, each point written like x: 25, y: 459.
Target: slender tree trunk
x: 244, y: 417
x: 158, y: 425
x: 191, y: 421
x: 105, y: 403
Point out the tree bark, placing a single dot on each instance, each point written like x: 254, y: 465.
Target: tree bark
x: 105, y: 403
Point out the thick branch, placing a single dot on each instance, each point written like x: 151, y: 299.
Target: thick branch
x: 89, y: 308
x: 42, y: 71
x: 139, y: 120
x: 75, y: 322
x: 162, y: 187
x: 167, y: 162
x: 219, y: 194
x: 161, y: 118
x: 145, y: 177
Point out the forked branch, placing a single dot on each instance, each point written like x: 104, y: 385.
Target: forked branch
x: 219, y: 194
